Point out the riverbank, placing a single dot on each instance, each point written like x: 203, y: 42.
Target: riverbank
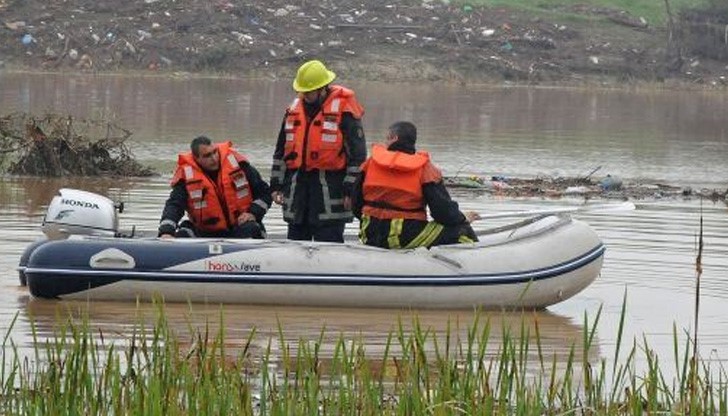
x: 410, y: 41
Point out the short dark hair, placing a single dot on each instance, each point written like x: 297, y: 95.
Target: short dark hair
x: 405, y: 131
x: 197, y: 142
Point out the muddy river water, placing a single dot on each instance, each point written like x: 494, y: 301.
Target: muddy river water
x: 679, y: 138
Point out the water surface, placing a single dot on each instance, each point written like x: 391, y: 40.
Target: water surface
x: 670, y: 137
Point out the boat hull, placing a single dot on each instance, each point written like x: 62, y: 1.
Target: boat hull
x: 532, y: 265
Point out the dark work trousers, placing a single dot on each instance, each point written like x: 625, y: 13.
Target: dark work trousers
x: 250, y: 229
x: 306, y: 232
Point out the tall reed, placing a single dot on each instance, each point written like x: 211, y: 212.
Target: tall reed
x: 77, y: 370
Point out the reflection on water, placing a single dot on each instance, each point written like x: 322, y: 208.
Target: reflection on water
x: 675, y: 137
x: 274, y: 327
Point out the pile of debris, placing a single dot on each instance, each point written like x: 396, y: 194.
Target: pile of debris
x: 608, y: 187
x: 57, y: 145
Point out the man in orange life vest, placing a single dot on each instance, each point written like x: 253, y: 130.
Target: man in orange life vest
x: 221, y: 192
x: 319, y: 150
x: 396, y: 186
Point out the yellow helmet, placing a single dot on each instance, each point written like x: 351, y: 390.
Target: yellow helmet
x: 311, y: 76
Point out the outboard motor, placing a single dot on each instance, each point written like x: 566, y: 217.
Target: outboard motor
x: 75, y: 212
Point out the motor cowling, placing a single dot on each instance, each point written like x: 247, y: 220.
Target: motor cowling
x: 76, y: 212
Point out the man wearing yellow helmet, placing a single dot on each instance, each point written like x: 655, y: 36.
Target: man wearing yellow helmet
x: 319, y: 150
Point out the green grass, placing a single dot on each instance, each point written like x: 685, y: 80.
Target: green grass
x: 155, y: 371
x: 652, y: 10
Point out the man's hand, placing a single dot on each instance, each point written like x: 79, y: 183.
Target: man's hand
x: 471, y: 216
x: 347, y: 203
x: 166, y: 236
x: 277, y: 197
x: 245, y: 217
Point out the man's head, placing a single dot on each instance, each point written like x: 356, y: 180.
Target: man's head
x: 402, y: 136
x: 205, y: 153
x: 311, y: 80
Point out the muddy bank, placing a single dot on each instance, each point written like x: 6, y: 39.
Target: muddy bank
x: 425, y: 40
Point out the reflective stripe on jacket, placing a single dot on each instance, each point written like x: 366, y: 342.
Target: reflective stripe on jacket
x: 320, y: 143
x: 392, y: 185
x: 215, y: 206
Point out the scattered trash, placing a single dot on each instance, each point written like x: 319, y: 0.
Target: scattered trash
x: 15, y: 25
x: 27, y: 39
x: 610, y: 187
x: 577, y: 190
x: 496, y: 43
x: 143, y: 34
x: 610, y: 183
x: 592, y: 172
x: 85, y: 62
x: 498, y: 185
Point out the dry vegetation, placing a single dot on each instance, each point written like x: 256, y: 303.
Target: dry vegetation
x: 60, y: 145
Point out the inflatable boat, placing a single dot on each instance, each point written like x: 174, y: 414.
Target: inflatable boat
x: 532, y: 263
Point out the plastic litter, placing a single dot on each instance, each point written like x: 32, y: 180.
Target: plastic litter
x: 577, y: 190
x: 27, y: 39
x: 610, y: 183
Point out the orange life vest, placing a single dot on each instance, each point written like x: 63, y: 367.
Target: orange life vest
x: 393, y: 184
x: 319, y: 141
x: 215, y: 206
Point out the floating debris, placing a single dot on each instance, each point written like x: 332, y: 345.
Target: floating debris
x: 609, y: 187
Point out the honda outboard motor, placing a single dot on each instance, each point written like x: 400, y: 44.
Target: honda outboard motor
x: 75, y: 212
